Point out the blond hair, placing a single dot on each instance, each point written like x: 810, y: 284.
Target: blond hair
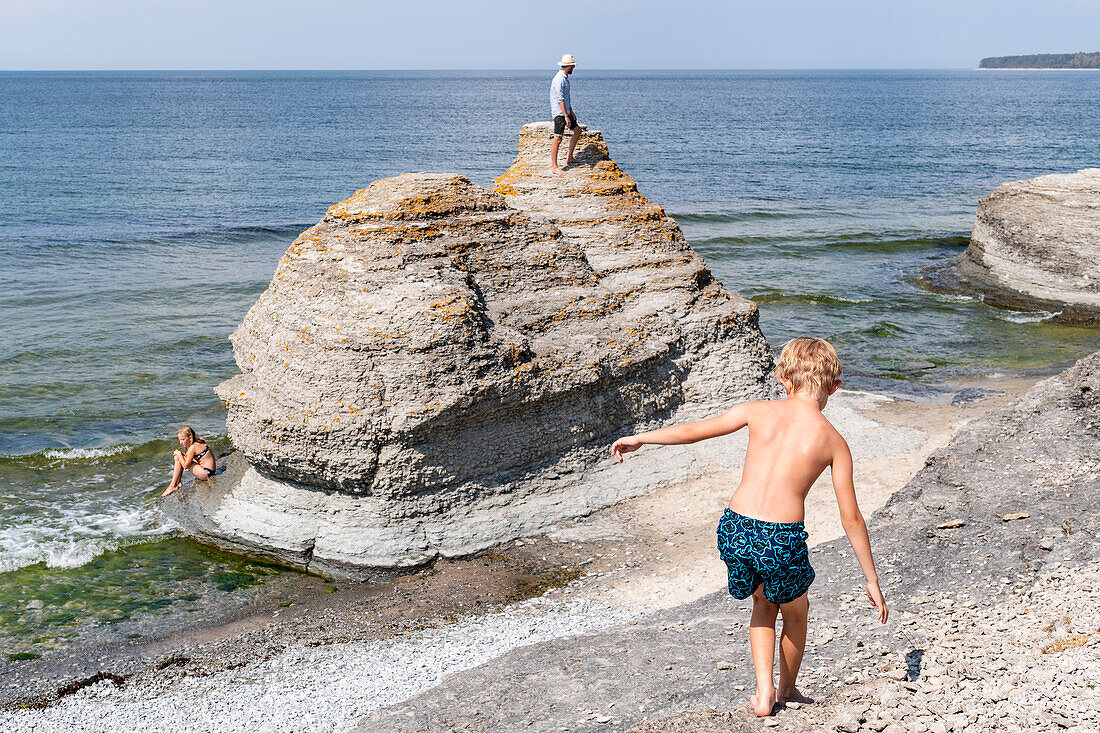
x: 188, y: 430
x: 811, y: 365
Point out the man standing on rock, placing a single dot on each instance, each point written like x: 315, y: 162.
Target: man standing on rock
x: 562, y: 112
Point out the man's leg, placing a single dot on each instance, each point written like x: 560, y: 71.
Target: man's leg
x: 762, y: 641
x: 792, y: 645
x: 554, y: 154
x: 574, y: 138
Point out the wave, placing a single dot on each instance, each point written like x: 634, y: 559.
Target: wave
x: 884, y: 329
x: 144, y: 237
x: 871, y: 242
x: 84, y: 454
x: 802, y: 244
x: 762, y: 240
x: 83, y: 502
x: 234, y: 234
x: 58, y: 457
x: 75, y: 536
x: 771, y: 296
x: 863, y: 332
x: 1025, y: 316
x: 731, y: 217
x: 958, y: 297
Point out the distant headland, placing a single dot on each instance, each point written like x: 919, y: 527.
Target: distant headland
x: 1079, y: 60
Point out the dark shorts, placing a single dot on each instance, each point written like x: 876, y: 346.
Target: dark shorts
x: 559, y: 124
x: 772, y: 553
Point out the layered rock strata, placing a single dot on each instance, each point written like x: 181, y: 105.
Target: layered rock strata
x: 1036, y: 244
x: 437, y: 367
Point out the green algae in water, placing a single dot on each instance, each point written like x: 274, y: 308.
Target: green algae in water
x: 42, y: 607
x: 230, y: 580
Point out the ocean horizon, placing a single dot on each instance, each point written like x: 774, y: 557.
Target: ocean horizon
x: 538, y: 70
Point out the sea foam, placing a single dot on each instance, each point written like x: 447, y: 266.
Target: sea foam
x: 85, y: 454
x: 1027, y: 316
x: 72, y: 538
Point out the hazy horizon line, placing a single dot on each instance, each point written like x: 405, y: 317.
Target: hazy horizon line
x: 548, y: 68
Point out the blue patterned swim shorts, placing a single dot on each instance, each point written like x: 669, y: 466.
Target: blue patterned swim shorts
x: 772, y: 553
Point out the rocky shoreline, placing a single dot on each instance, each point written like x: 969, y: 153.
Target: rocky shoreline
x: 1026, y: 663
x: 1011, y: 498
x: 636, y: 558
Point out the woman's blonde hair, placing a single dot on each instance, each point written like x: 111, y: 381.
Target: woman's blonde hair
x: 810, y: 364
x: 188, y: 430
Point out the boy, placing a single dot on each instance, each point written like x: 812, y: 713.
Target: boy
x: 761, y: 536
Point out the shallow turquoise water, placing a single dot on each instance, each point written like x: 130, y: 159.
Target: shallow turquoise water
x: 141, y: 214
x: 134, y: 593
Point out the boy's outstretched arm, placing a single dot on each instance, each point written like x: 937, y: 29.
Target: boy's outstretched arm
x: 854, y: 526
x: 729, y: 421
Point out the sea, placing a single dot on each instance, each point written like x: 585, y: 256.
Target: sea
x: 142, y: 213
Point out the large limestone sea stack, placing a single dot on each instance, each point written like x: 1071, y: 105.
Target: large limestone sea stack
x: 1036, y: 244
x: 437, y: 367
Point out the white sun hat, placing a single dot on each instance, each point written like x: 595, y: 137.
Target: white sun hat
x: 567, y: 60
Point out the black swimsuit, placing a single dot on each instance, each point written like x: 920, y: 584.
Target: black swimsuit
x: 209, y: 471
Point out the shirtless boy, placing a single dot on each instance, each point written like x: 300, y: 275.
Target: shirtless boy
x: 761, y: 536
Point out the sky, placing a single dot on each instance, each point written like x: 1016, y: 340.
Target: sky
x: 523, y: 34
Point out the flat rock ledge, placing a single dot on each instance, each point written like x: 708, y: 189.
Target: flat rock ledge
x: 991, y: 565
x: 1036, y: 246
x: 438, y: 367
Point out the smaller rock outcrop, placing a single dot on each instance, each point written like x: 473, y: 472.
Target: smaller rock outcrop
x: 1036, y: 245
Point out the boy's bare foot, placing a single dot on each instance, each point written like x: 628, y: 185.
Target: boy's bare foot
x: 557, y: 171
x: 572, y: 161
x: 171, y: 489
x: 763, y: 704
x: 794, y: 696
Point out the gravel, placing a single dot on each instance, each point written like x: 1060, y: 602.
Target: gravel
x: 1031, y: 663
x: 326, y: 688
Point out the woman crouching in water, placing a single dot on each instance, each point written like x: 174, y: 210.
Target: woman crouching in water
x: 195, y: 457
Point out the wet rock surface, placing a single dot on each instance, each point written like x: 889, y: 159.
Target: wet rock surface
x: 437, y: 367
x: 970, y: 395
x: 1036, y: 245
x: 994, y: 624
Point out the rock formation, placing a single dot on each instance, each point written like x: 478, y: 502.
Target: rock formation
x: 437, y: 367
x: 1036, y: 244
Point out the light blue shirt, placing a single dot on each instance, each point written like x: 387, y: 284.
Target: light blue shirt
x: 559, y: 92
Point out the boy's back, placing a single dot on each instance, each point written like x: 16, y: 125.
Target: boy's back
x: 761, y: 536
x: 790, y: 444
